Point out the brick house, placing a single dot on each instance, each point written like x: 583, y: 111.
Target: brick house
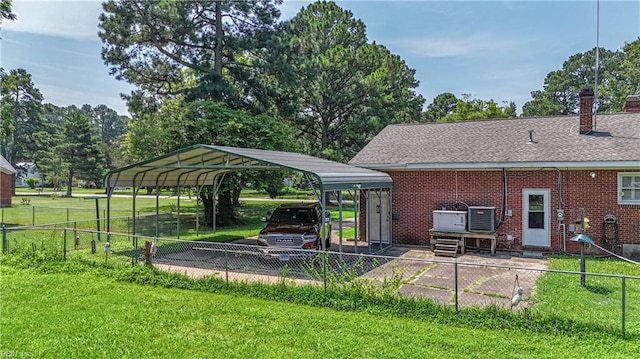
x: 537, y: 173
x: 6, y: 182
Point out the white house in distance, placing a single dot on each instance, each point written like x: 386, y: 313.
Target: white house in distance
x: 27, y: 170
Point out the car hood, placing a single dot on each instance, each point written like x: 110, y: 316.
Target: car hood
x: 289, y: 228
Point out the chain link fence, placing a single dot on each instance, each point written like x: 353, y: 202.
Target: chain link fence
x: 608, y: 300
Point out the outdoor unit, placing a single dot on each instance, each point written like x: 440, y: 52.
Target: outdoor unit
x: 482, y: 219
x: 450, y: 221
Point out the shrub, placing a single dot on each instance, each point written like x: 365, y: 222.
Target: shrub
x: 32, y: 182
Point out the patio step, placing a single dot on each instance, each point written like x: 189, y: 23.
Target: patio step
x: 446, y: 247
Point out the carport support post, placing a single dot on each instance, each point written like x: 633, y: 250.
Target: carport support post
x: 157, y: 208
x: 380, y: 217
x: 134, y: 238
x: 340, y: 217
x: 198, y: 210
x: 213, y: 204
x: 178, y: 214
x: 323, y: 229
x: 356, y: 212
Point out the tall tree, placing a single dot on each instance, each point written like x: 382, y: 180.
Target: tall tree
x: 338, y: 79
x: 157, y: 128
x: 5, y: 11
x: 111, y: 129
x: 213, y: 122
x: 78, y: 150
x: 442, y: 105
x: 626, y: 80
x: 469, y: 108
x: 21, y: 116
x: 561, y: 87
x: 150, y: 43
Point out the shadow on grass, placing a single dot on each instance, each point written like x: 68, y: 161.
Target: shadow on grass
x: 598, y: 289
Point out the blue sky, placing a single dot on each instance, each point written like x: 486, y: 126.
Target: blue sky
x: 500, y: 50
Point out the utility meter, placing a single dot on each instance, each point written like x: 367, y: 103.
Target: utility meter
x: 560, y: 214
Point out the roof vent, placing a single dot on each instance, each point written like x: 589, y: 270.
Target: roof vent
x: 531, y: 140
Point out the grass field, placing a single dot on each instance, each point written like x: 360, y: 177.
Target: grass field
x: 80, y: 313
x: 82, y: 308
x: 600, y: 301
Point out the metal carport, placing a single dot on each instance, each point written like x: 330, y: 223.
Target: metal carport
x: 202, y: 164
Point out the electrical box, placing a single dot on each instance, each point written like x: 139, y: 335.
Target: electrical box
x: 450, y: 221
x: 482, y: 219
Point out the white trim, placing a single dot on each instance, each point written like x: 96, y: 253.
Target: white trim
x: 620, y: 192
x: 501, y: 165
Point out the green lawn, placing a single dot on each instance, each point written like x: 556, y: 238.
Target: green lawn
x: 87, y: 315
x: 83, y: 312
x: 599, y: 301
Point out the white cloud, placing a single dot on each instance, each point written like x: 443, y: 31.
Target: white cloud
x: 473, y: 45
x: 71, y: 19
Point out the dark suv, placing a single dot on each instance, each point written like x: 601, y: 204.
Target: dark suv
x: 294, y: 226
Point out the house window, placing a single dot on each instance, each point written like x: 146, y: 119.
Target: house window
x: 629, y: 188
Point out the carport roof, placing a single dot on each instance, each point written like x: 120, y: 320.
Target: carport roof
x: 199, y: 164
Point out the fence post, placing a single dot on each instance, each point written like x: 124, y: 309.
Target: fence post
x: 4, y: 239
x: 33, y: 216
x: 455, y: 284
x: 624, y: 286
x: 324, y: 270
x: 226, y: 264
x: 67, y: 216
x: 64, y: 245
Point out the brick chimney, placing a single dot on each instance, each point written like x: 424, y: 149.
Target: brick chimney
x: 586, y: 111
x: 632, y: 104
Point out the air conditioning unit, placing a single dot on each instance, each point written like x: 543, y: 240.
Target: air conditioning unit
x: 482, y: 219
x: 450, y: 221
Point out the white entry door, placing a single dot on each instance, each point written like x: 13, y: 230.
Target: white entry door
x: 536, y: 218
x: 378, y: 217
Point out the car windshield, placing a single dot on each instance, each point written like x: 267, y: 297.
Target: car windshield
x: 293, y: 216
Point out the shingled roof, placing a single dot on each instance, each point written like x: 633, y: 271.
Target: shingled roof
x: 6, y: 167
x: 506, y: 143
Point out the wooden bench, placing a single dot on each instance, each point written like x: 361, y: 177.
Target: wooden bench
x: 462, y: 238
